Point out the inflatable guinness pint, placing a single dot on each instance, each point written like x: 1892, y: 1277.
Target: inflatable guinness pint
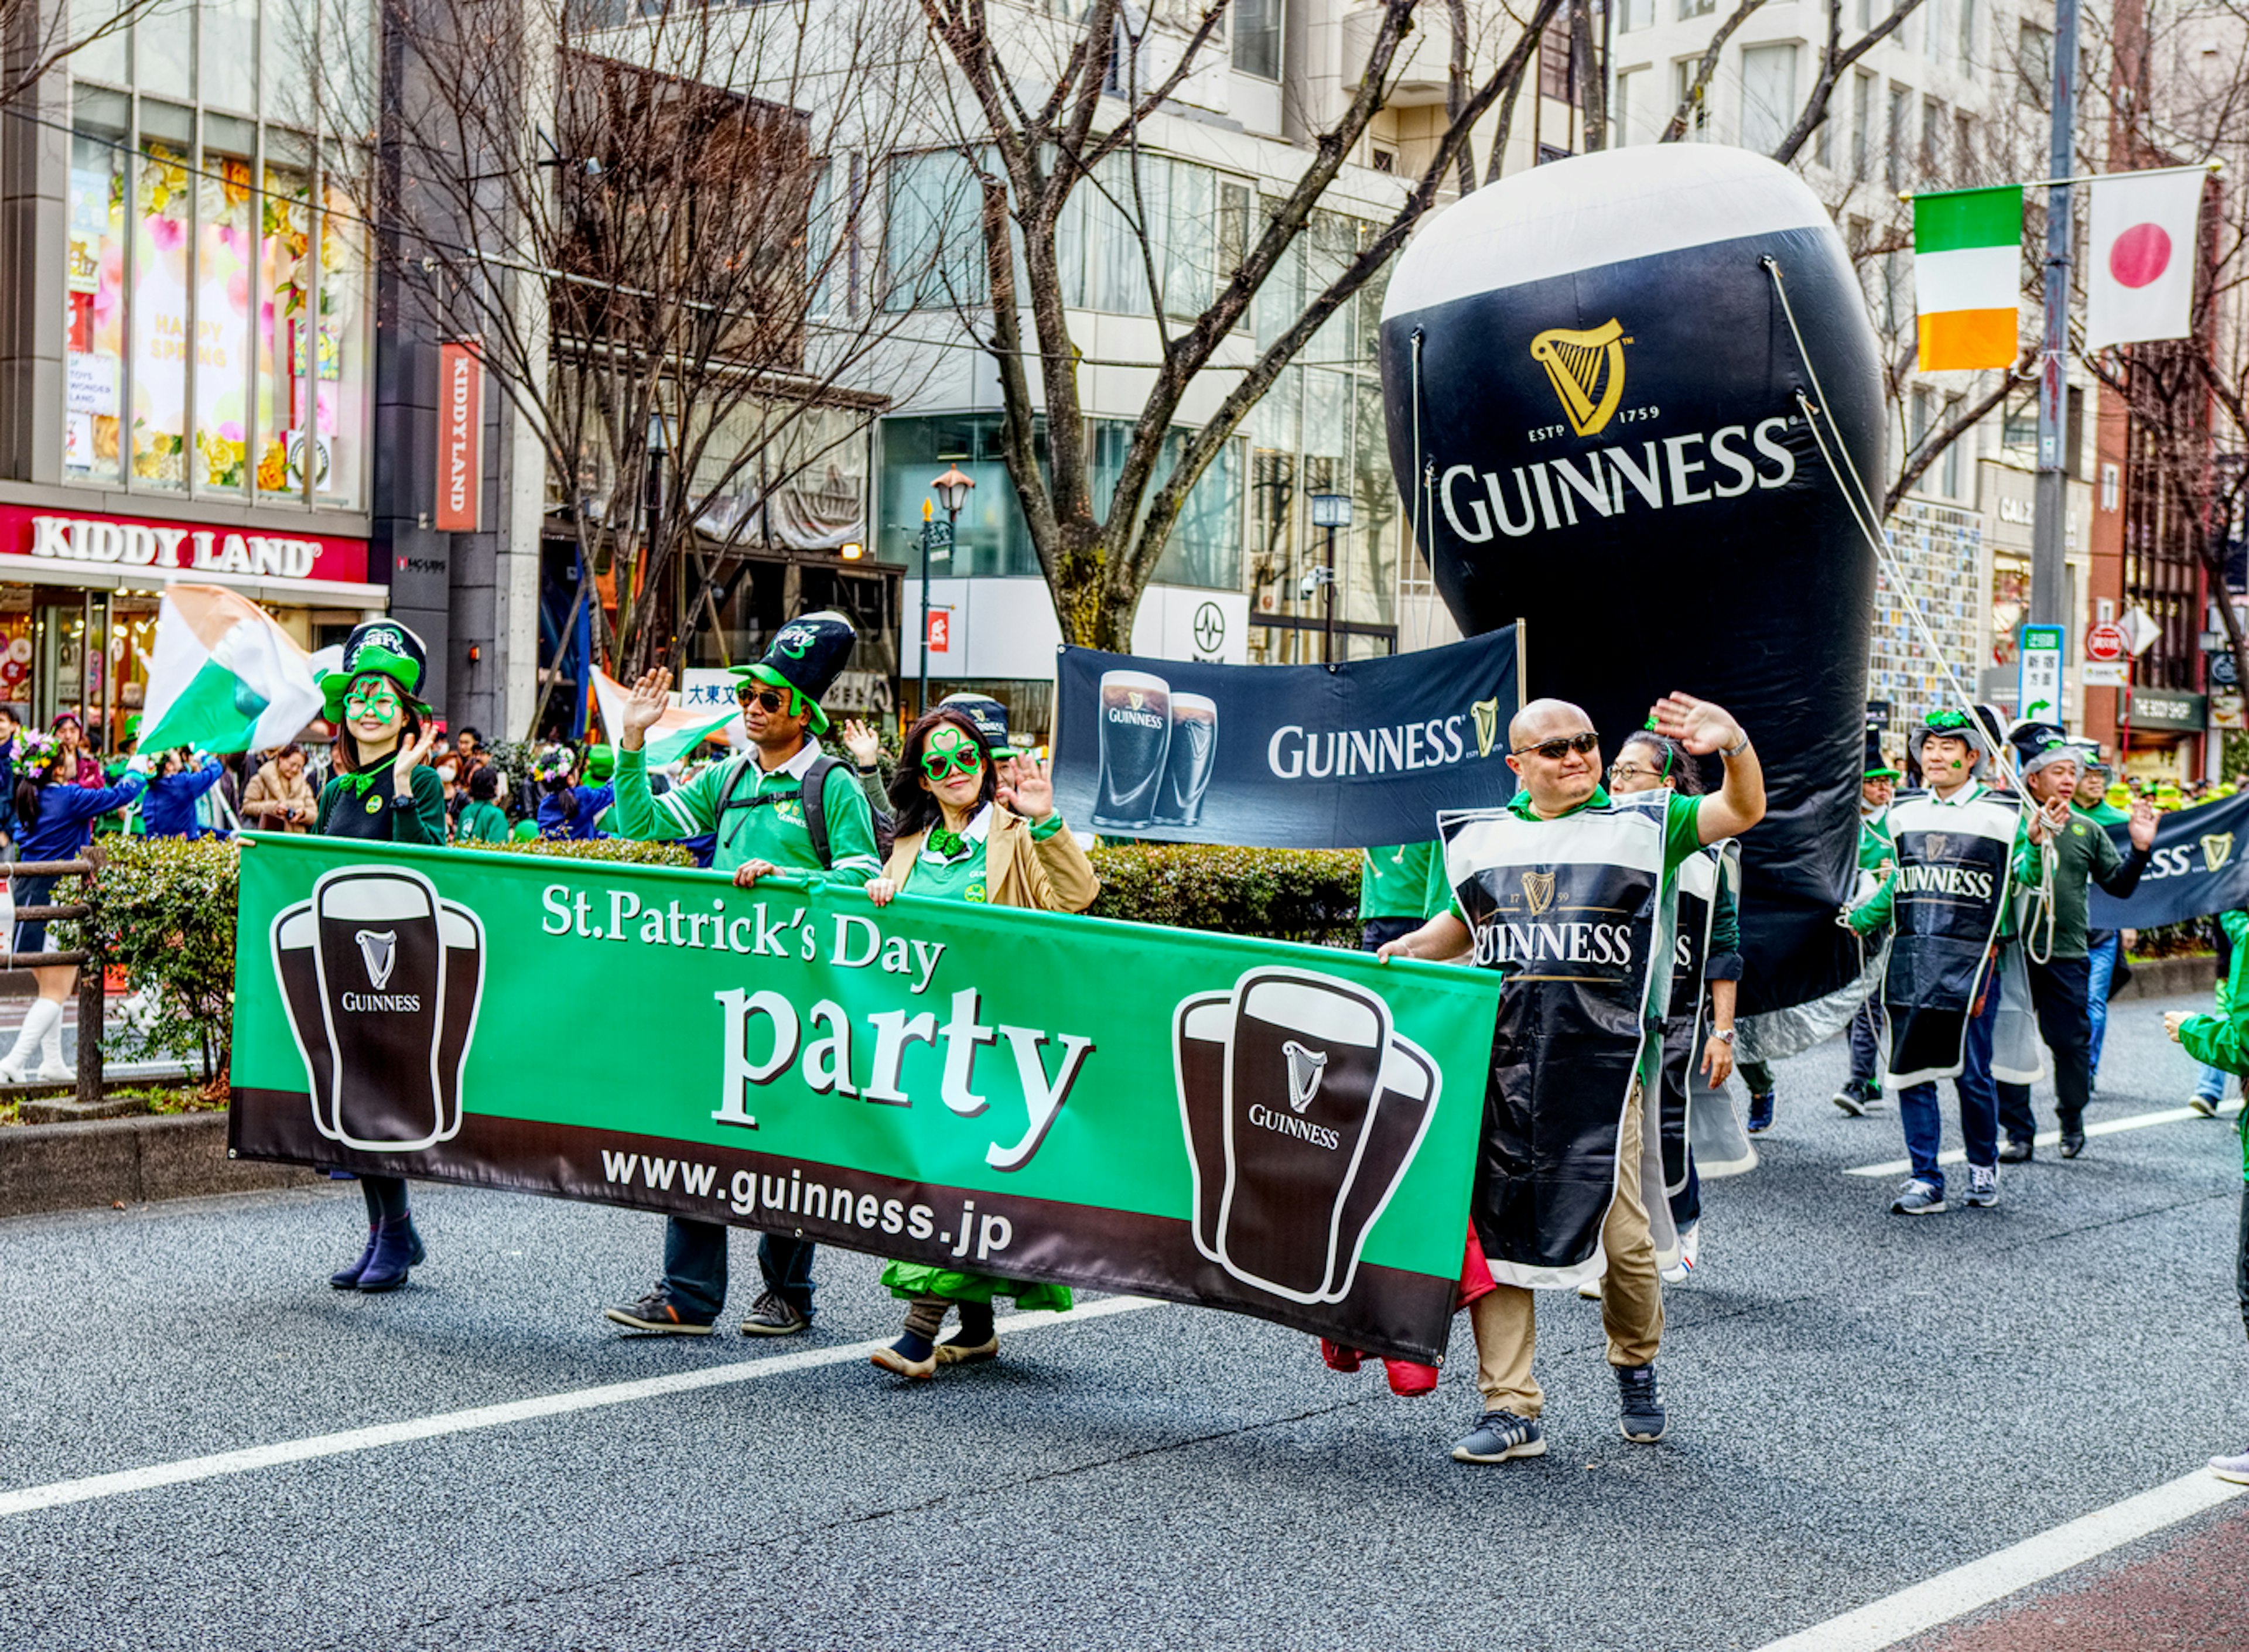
x: 1592, y: 398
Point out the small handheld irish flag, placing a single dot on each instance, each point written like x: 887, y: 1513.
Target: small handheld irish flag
x: 224, y: 677
x: 1967, y: 276
x: 678, y: 731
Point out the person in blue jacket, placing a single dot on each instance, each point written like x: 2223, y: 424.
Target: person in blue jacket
x: 55, y: 816
x: 168, y: 810
x: 568, y: 810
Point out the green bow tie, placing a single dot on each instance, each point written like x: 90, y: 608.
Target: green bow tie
x: 947, y: 845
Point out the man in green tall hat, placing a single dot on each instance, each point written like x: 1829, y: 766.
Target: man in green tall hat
x: 782, y: 804
x: 1862, y: 1090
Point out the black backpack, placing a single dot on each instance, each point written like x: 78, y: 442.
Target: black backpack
x: 812, y: 793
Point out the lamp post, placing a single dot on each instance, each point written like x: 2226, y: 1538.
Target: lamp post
x: 1330, y: 511
x: 952, y: 490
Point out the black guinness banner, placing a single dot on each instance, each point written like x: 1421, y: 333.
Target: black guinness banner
x: 1592, y: 393
x: 1283, y: 756
x: 1948, y: 892
x: 1682, y: 1028
x: 1569, y: 910
x: 2199, y: 865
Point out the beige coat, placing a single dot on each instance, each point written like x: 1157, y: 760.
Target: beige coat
x: 268, y: 791
x: 1054, y: 877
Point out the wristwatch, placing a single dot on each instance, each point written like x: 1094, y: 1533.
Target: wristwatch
x: 1724, y: 1035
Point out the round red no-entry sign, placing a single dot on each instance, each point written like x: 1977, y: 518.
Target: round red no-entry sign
x: 2104, y: 642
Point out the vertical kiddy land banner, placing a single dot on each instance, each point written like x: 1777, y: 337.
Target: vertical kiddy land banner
x: 1347, y: 756
x: 1279, y: 1130
x: 1598, y: 417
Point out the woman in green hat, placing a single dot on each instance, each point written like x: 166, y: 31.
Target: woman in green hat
x: 381, y: 792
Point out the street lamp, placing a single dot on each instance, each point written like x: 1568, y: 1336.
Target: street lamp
x: 1330, y: 511
x: 952, y: 490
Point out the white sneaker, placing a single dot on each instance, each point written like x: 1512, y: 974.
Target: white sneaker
x: 2206, y: 1105
x: 2234, y: 1469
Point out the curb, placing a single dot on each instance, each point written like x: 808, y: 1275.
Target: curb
x: 2168, y: 978
x: 90, y: 1167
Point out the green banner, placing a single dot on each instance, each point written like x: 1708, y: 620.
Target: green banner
x: 1280, y: 1130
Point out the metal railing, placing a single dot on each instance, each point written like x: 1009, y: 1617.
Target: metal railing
x: 88, y: 960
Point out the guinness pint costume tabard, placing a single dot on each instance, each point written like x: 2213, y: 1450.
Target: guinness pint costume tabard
x: 1575, y: 911
x: 1948, y: 899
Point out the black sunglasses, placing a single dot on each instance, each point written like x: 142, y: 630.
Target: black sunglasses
x: 1553, y: 750
x: 768, y: 700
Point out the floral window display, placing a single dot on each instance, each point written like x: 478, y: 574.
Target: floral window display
x: 94, y: 280
x: 165, y: 197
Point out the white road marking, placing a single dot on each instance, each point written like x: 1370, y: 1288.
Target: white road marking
x: 494, y: 1416
x: 1950, y: 1594
x: 2052, y: 1138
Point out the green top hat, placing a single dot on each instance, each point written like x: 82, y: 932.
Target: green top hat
x: 990, y: 718
x: 600, y: 763
x: 383, y: 647
x: 807, y: 654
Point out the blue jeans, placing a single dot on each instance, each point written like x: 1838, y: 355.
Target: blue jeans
x: 1866, y: 1042
x: 2101, y: 959
x: 1979, y: 1103
x: 2212, y: 1085
x: 695, y: 1267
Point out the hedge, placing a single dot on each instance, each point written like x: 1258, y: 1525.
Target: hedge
x: 165, y: 908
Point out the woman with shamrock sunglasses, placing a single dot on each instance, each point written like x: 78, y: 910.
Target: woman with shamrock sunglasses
x: 963, y: 835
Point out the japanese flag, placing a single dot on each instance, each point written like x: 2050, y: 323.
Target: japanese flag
x: 2141, y: 264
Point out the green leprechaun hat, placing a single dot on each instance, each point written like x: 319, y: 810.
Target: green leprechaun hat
x: 387, y: 648
x: 807, y: 654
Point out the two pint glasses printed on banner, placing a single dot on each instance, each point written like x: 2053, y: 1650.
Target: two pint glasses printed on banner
x: 1303, y: 1108
x: 1158, y: 750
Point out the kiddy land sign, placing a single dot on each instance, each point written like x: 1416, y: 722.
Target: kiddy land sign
x: 219, y: 554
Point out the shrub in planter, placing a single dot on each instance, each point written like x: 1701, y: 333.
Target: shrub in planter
x: 164, y: 909
x: 1307, y: 895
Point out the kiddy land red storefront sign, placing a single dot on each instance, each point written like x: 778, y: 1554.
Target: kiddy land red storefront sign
x: 220, y: 555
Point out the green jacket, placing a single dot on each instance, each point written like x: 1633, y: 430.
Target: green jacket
x: 1875, y: 845
x: 719, y: 801
x: 2222, y: 1040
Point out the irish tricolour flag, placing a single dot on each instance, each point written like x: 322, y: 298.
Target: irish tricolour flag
x: 1967, y: 276
x: 678, y: 731
x: 224, y: 676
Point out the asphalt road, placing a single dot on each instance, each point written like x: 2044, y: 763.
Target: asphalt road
x: 1858, y: 1402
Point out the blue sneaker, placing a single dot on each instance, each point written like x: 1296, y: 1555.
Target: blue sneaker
x: 1918, y: 1198
x: 1640, y: 1404
x: 1760, y: 1112
x: 1499, y: 1435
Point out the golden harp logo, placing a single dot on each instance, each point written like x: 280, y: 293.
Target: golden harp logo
x: 2217, y: 849
x: 1587, y: 370
x: 1937, y: 845
x: 1487, y: 723
x: 1537, y: 891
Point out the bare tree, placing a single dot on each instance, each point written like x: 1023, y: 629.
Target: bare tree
x: 1036, y: 133
x: 664, y: 273
x: 35, y: 40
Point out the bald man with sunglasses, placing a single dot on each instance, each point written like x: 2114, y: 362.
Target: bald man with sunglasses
x: 1556, y: 753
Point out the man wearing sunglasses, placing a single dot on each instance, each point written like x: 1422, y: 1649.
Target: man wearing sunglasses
x: 1556, y: 755
x: 780, y: 804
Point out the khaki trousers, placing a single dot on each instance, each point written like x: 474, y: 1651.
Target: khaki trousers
x: 1506, y: 1320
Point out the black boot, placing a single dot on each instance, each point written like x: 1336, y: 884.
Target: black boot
x: 397, y: 1247
x: 350, y: 1278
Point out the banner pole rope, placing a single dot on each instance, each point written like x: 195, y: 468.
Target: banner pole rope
x: 1863, y: 511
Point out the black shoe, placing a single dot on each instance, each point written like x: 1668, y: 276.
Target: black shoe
x: 1760, y: 1113
x: 2016, y: 1152
x: 347, y: 1279
x: 776, y: 1316
x: 397, y: 1249
x: 2072, y: 1143
x: 657, y: 1312
x: 1639, y: 1408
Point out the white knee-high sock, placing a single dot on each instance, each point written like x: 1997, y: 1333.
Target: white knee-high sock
x: 50, y: 1039
x: 43, y: 1013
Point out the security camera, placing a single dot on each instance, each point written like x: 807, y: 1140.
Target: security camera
x: 1309, y: 587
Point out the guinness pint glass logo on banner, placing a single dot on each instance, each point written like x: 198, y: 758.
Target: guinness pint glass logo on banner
x: 1193, y: 753
x: 382, y: 980
x: 1136, y: 737
x: 1303, y: 1108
